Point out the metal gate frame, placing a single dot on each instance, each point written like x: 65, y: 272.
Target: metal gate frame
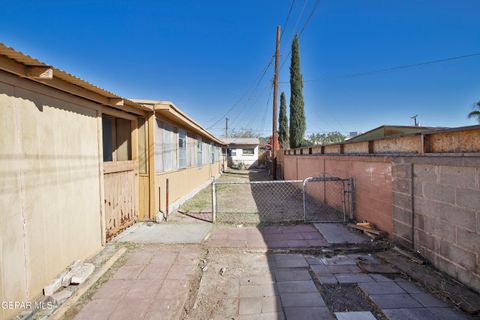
x: 345, y: 191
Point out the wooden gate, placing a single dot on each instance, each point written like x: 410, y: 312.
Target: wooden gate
x: 119, y: 182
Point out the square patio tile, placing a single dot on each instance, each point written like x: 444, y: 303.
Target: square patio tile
x: 308, y: 313
x: 311, y: 299
x: 427, y: 300
x: 296, y: 286
x: 381, y: 288
x: 356, y: 315
x: 395, y: 301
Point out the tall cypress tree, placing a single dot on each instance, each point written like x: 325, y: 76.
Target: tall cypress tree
x: 297, y: 114
x: 283, y: 123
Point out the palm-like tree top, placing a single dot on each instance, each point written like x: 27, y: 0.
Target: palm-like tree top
x: 476, y: 112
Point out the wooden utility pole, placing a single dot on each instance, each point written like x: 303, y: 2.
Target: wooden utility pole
x: 275, y: 94
x: 226, y: 127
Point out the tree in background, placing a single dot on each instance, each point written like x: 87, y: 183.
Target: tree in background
x: 297, y: 114
x: 283, y: 123
x: 476, y: 112
x: 325, y: 138
x: 244, y: 133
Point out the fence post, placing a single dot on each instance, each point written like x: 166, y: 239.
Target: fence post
x: 214, y: 201
x: 350, y: 198
x: 304, y: 199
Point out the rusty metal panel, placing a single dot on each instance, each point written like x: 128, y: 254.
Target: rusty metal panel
x: 119, y: 185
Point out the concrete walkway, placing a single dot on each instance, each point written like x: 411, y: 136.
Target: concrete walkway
x: 153, y: 284
x: 165, y: 233
x: 219, y: 279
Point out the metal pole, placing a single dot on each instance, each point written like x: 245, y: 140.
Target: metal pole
x: 344, y: 204
x: 304, y: 199
x: 166, y: 200
x: 350, y: 190
x: 214, y: 201
x: 275, y: 93
x: 226, y: 127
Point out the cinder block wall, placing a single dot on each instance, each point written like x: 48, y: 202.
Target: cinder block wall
x: 441, y: 196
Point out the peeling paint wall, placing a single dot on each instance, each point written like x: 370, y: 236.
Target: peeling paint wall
x: 49, y: 186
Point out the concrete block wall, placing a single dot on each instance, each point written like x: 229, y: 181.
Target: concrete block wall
x: 436, y: 210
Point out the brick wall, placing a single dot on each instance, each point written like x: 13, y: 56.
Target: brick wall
x: 441, y: 195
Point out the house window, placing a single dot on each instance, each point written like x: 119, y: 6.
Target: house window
x: 142, y: 145
x: 117, y: 139
x: 165, y: 147
x: 212, y: 153
x: 233, y: 152
x: 169, y: 148
x: 182, y: 148
x: 158, y: 146
x: 248, y: 151
x: 199, y: 152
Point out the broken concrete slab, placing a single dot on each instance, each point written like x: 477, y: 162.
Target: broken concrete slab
x: 337, y: 233
x: 165, y: 233
x: 54, y: 285
x: 81, y: 273
x: 61, y: 296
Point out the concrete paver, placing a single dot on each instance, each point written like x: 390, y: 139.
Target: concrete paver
x: 337, y: 233
x: 154, y: 282
x: 355, y: 315
x: 309, y: 313
x: 137, y: 291
x: 394, y: 301
x: 274, y: 237
x: 379, y: 288
x: 310, y: 299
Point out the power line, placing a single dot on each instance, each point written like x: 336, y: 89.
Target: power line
x: 312, y: 13
x: 286, y: 20
x: 301, y: 14
x: 394, y: 68
x: 307, y: 21
x: 260, y: 78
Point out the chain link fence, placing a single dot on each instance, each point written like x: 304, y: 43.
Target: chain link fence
x: 315, y: 199
x: 258, y: 201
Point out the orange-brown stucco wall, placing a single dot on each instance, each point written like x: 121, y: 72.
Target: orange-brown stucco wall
x: 372, y: 177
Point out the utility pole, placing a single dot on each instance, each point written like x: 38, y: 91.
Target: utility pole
x: 275, y: 94
x: 226, y: 127
x: 415, y: 123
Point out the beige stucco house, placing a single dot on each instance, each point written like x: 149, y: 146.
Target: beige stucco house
x: 78, y: 165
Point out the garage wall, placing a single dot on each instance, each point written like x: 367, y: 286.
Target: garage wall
x: 50, y: 207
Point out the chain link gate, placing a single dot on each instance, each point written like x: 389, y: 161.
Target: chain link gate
x: 327, y: 199
x: 282, y: 200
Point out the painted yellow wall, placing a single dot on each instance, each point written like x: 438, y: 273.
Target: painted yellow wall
x: 50, y: 204
x: 182, y: 182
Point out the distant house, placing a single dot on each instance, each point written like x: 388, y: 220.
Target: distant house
x: 242, y: 152
x: 389, y: 130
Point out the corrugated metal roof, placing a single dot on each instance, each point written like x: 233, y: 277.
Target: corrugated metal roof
x: 29, y: 61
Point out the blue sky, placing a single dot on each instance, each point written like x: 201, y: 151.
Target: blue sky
x: 206, y: 55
